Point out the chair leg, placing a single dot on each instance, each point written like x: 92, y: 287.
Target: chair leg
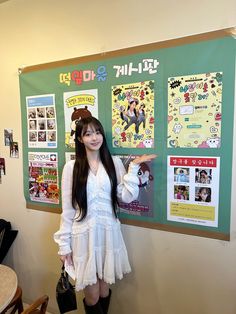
x: 16, y: 304
x: 20, y: 306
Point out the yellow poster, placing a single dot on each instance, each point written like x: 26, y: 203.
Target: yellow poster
x: 133, y: 115
x: 194, y: 111
x: 191, y: 211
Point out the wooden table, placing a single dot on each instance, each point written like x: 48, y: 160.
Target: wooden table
x: 8, y: 285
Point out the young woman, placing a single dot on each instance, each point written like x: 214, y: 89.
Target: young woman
x: 204, y: 195
x: 90, y: 238
x: 131, y: 115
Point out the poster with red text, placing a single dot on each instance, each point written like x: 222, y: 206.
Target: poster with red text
x: 43, y: 177
x: 193, y: 190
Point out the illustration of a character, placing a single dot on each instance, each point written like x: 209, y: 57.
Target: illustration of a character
x: 213, y: 142
x: 177, y: 128
x: 76, y: 116
x: 148, y: 143
x: 144, y: 175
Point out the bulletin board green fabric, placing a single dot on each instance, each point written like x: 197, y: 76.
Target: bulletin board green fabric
x: 210, y: 52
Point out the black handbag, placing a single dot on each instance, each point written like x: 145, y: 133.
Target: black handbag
x: 65, y: 293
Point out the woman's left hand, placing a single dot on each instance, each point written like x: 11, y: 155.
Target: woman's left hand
x: 144, y: 158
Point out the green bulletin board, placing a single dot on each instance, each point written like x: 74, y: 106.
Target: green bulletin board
x: 163, y: 67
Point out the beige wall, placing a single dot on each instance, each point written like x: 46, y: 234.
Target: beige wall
x: 172, y: 273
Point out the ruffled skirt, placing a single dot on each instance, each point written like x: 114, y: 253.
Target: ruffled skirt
x: 98, y: 251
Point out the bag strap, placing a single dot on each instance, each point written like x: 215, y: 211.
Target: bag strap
x: 63, y: 272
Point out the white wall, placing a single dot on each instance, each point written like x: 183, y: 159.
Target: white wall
x: 172, y: 273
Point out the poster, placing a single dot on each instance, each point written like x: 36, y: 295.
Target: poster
x: 41, y: 121
x: 8, y: 136
x: 133, y: 115
x: 43, y: 177
x: 69, y: 156
x: 14, y: 150
x: 2, y: 166
x: 143, y: 206
x: 194, y: 110
x: 78, y: 105
x: 193, y: 190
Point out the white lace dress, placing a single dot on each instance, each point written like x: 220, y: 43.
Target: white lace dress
x: 96, y: 242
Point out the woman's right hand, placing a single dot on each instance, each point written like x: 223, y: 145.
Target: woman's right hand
x: 68, y: 258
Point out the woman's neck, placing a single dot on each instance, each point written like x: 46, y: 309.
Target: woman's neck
x: 93, y: 156
x: 93, y: 161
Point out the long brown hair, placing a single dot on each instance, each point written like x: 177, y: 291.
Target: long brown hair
x: 81, y: 167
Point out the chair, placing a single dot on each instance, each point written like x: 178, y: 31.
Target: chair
x: 37, y: 307
x: 7, y: 237
x: 16, y: 303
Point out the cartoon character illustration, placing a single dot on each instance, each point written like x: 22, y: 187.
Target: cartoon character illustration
x: 177, y: 128
x: 148, y: 143
x: 213, y: 142
x: 173, y: 143
x: 76, y: 116
x: 144, y: 175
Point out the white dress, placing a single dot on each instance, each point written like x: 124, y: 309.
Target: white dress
x: 96, y: 242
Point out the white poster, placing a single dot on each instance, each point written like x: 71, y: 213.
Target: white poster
x: 193, y: 190
x: 42, y: 125
x: 78, y: 105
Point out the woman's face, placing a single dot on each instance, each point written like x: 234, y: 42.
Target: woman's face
x: 203, y: 194
x: 181, y: 191
x: 92, y: 139
x: 132, y: 106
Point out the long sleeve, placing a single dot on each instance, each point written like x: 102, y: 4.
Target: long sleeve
x: 127, y: 187
x: 63, y: 236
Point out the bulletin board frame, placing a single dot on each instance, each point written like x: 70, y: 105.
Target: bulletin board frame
x: 212, y: 52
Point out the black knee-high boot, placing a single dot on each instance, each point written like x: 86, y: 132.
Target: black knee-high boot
x: 105, y: 302
x: 93, y: 309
